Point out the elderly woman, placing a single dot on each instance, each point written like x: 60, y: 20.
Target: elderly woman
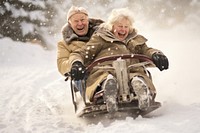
x: 116, y: 36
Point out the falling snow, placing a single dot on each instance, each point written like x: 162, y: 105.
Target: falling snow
x: 34, y: 98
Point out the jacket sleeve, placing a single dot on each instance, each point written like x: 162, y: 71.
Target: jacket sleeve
x: 63, y: 58
x: 138, y: 46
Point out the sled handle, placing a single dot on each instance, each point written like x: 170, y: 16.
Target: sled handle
x: 115, y: 57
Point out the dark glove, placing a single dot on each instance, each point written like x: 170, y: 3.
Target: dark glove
x: 160, y: 60
x: 77, y: 71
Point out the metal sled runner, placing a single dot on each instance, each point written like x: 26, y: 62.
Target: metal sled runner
x: 126, y: 99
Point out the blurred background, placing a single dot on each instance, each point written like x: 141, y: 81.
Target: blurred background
x: 36, y: 20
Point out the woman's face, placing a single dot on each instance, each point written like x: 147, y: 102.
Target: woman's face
x: 121, y: 28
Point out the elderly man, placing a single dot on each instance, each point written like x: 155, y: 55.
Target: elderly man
x: 116, y: 37
x: 76, y: 32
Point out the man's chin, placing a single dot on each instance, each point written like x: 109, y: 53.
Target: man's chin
x: 81, y: 33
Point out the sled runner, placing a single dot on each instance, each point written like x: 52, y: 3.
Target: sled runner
x: 127, y: 101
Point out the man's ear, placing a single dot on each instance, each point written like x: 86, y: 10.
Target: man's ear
x: 69, y: 23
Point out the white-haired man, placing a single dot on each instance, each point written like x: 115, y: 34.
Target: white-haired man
x: 117, y: 36
x: 76, y: 32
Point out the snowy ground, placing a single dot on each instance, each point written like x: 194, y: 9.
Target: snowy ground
x: 35, y: 99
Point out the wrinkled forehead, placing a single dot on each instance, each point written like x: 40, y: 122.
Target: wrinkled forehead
x: 78, y: 16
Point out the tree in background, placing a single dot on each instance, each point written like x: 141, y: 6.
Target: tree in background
x: 25, y: 21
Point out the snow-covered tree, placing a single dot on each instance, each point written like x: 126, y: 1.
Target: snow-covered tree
x: 25, y: 20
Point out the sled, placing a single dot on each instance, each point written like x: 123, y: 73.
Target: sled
x: 126, y: 100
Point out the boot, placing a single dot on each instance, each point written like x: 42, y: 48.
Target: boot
x: 110, y: 88
x: 142, y: 92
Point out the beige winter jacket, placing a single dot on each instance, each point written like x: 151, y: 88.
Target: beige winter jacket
x: 103, y: 43
x: 72, y: 42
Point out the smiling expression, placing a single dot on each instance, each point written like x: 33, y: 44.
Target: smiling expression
x: 121, y: 28
x: 79, y: 23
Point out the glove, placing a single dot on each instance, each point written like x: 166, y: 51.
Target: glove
x: 77, y: 71
x: 160, y: 61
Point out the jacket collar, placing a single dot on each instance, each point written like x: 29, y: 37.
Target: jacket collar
x: 110, y: 37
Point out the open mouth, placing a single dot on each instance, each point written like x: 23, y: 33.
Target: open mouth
x: 80, y: 29
x: 121, y: 35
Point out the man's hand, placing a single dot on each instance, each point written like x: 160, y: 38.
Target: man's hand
x: 77, y: 71
x: 160, y: 60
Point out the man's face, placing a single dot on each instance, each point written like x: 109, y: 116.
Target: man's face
x: 121, y: 29
x: 79, y: 23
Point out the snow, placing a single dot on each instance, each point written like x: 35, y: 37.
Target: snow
x: 27, y: 27
x: 37, y: 15
x: 39, y: 3
x: 34, y: 98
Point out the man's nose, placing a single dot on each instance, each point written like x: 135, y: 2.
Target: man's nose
x: 80, y: 23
